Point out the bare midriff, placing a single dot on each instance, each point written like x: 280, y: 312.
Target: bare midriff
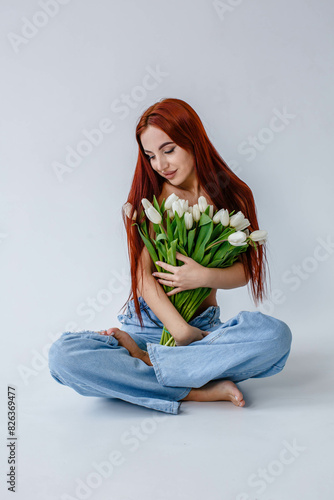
x: 167, y: 189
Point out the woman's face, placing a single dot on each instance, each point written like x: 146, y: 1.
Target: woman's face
x: 166, y: 156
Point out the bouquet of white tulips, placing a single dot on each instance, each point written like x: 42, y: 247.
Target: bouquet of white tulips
x: 212, y: 240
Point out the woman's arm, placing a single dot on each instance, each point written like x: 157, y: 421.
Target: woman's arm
x: 156, y: 298
x: 226, y: 277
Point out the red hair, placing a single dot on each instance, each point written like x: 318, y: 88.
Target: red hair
x: 182, y: 124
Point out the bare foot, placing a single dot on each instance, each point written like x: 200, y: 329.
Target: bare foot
x: 125, y: 340
x: 217, y: 390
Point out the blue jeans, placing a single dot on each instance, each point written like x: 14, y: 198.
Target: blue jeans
x: 249, y: 345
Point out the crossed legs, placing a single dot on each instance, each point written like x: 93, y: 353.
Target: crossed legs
x: 215, y: 390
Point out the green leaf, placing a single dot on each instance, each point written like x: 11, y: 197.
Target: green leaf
x: 218, y: 250
x: 162, y: 250
x: 143, y: 227
x: 224, y: 235
x: 206, y: 260
x: 169, y: 228
x: 171, y: 253
x: 204, y: 219
x: 179, y: 227
x: 191, y: 236
x: 149, y: 246
x: 180, y: 249
x: 202, y: 239
x: 162, y: 208
x: 156, y: 204
x: 216, y: 232
x: 215, y: 263
x: 161, y: 236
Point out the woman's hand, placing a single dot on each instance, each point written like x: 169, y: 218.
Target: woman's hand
x: 193, y: 334
x: 186, y: 277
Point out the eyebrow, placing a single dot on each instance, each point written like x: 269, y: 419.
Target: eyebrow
x: 161, y: 146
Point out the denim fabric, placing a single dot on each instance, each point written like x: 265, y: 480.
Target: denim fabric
x: 249, y: 345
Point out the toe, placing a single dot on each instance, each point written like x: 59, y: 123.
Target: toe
x: 238, y: 398
x: 113, y: 331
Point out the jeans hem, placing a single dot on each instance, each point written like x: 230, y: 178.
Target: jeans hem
x: 185, y: 393
x: 155, y: 363
x: 158, y: 371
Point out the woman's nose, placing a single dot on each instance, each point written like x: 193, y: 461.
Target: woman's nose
x: 161, y: 164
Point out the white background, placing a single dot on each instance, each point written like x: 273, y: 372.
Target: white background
x: 62, y: 242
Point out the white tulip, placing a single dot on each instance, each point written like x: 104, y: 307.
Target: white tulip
x: 243, y: 225
x: 211, y: 211
x: 127, y: 207
x: 216, y: 218
x: 190, y: 210
x: 146, y: 204
x: 188, y: 220
x: 176, y: 207
x: 168, y: 203
x: 239, y: 222
x: 184, y: 204
x: 153, y: 215
x: 237, y: 239
x: 220, y: 216
x: 259, y: 235
x: 225, y: 217
x: 171, y: 214
x: 196, y: 213
x: 202, y: 203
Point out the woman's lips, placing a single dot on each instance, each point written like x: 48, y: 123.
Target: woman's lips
x: 171, y: 174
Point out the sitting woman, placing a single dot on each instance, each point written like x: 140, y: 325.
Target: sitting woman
x: 176, y: 156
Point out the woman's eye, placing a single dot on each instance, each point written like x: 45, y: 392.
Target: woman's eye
x: 170, y: 151
x: 167, y: 152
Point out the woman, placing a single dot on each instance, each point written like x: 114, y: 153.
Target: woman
x: 176, y: 155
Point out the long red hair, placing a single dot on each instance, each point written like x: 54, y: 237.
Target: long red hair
x: 182, y: 124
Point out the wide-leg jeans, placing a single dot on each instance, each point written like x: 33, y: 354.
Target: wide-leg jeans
x: 249, y: 345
